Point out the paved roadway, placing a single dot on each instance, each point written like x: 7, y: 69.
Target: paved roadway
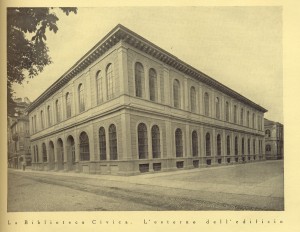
x: 253, y: 186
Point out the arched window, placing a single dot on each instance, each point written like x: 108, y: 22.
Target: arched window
x: 193, y: 99
x: 268, y: 147
x: 178, y: 143
x: 58, y: 112
x: 102, y: 143
x: 155, y: 142
x: 142, y: 141
x: 68, y: 105
x: 217, y: 108
x: 234, y: 114
x: 81, y: 98
x: 110, y: 82
x: 248, y: 119
x: 42, y: 119
x: 254, y: 150
x: 113, y: 143
x: 49, y: 112
x: 268, y: 133
x: 227, y: 111
x: 99, y: 83
x: 35, y: 127
x: 207, y: 145
x: 194, y: 143
x: 243, y: 146
x: 236, y: 146
x: 228, y: 145
x: 219, y: 150
x: 248, y: 146
x: 44, y: 152
x: 84, y: 147
x: 37, y: 153
x: 153, y: 84
x: 242, y: 116
x: 253, y: 120
x: 139, y: 79
x: 206, y: 104
x: 176, y: 93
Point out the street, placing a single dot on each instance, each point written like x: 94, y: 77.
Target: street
x: 252, y: 186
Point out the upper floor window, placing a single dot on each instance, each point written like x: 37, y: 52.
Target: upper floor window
x: 193, y: 99
x: 178, y: 143
x: 176, y: 93
x: 206, y: 104
x: 153, y: 84
x: 242, y: 116
x: 142, y: 141
x: 217, y: 108
x: 234, y: 114
x: 139, y: 79
x: 35, y: 127
x: 49, y: 112
x: 268, y: 133
x: 227, y: 111
x: 81, y: 98
x: 68, y: 105
x: 58, y: 111
x: 99, y: 86
x: 248, y: 119
x: 253, y: 120
x: 42, y: 119
x: 110, y: 82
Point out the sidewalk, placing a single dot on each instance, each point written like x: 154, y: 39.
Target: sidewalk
x: 273, y: 187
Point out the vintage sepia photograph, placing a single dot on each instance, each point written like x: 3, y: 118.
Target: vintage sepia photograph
x: 145, y: 109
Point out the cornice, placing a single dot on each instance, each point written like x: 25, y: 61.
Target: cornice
x: 121, y: 33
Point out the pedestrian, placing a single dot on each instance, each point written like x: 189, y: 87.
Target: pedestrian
x: 24, y: 165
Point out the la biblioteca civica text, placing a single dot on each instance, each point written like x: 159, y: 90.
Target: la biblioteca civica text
x: 148, y: 222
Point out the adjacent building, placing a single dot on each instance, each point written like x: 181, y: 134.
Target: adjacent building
x: 128, y: 106
x: 273, y: 140
x: 18, y: 135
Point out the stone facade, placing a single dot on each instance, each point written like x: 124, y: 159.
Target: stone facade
x: 129, y: 107
x: 18, y: 137
x: 273, y: 140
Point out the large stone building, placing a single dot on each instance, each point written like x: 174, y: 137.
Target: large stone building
x: 18, y: 137
x: 273, y: 139
x: 127, y: 106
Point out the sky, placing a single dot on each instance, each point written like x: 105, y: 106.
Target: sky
x: 241, y: 47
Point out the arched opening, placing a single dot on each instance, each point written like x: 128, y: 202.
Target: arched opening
x: 142, y: 141
x: 71, y: 157
x: 155, y: 142
x: 113, y: 142
x: 51, y: 155
x: 44, y: 150
x: 102, y: 143
x: 207, y: 145
x: 178, y: 143
x: 194, y: 143
x: 84, y: 147
x: 60, y: 154
x: 153, y: 84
